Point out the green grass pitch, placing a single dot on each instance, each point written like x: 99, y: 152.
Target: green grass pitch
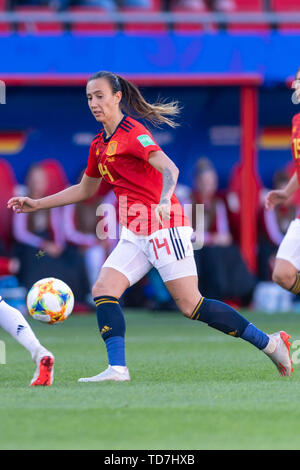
x: 192, y: 388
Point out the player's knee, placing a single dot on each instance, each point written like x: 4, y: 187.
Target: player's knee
x: 186, y: 307
x: 101, y: 288
x: 278, y: 277
x: 283, y: 278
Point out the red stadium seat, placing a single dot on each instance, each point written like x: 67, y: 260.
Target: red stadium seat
x: 36, y: 27
x: 192, y: 27
x: 57, y: 180
x: 155, y: 6
x: 92, y: 28
x: 287, y: 6
x: 248, y: 6
x: 7, y: 186
x: 5, y: 28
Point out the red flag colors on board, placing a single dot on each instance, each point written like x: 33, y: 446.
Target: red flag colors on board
x: 275, y: 138
x: 12, y: 142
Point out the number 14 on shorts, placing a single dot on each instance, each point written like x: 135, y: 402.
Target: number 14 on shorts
x: 157, y: 245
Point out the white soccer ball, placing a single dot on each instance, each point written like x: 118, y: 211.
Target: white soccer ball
x: 50, y: 300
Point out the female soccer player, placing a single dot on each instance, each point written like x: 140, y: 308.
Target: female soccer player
x: 155, y: 231
x: 287, y: 264
x: 14, y: 323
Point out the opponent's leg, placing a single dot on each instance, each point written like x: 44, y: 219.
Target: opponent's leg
x: 287, y: 263
x: 124, y: 267
x: 222, y: 317
x: 14, y: 323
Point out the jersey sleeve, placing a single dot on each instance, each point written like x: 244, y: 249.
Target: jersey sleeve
x: 141, y: 143
x: 92, y: 169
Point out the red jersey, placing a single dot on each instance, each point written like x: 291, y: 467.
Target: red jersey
x: 122, y: 161
x: 296, y: 144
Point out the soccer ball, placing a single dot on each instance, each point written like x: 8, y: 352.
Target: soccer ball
x: 50, y: 300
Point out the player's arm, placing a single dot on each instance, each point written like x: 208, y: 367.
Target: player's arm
x: 170, y: 172
x: 279, y: 196
x: 79, y: 192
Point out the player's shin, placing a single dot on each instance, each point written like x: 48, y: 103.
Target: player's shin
x: 111, y: 324
x: 222, y: 317
x: 14, y: 323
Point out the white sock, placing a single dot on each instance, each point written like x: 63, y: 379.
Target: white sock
x: 120, y: 369
x: 271, y: 346
x: 12, y: 321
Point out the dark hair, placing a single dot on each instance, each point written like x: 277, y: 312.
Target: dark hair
x: 280, y: 177
x: 203, y: 164
x: 133, y: 103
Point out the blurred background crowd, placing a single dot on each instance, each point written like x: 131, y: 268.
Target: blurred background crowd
x: 226, y: 72
x: 63, y: 242
x: 154, y: 5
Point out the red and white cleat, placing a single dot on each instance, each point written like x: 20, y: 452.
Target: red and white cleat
x: 44, y: 372
x: 280, y: 355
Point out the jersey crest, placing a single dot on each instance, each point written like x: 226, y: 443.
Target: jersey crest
x: 112, y: 148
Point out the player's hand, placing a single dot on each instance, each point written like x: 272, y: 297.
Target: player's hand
x: 14, y: 265
x: 52, y: 249
x: 163, y: 210
x: 222, y: 239
x: 274, y: 198
x: 22, y: 204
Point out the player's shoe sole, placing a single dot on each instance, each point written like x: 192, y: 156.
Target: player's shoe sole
x: 45, y: 372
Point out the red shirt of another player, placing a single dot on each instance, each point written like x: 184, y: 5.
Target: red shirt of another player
x: 296, y: 144
x: 122, y: 160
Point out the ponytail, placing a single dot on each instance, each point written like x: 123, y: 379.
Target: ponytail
x: 134, y: 104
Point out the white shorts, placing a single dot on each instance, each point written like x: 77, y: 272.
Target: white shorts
x: 289, y: 248
x: 169, y: 250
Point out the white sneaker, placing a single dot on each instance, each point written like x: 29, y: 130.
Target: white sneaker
x: 44, y: 369
x: 111, y: 373
x: 280, y: 355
